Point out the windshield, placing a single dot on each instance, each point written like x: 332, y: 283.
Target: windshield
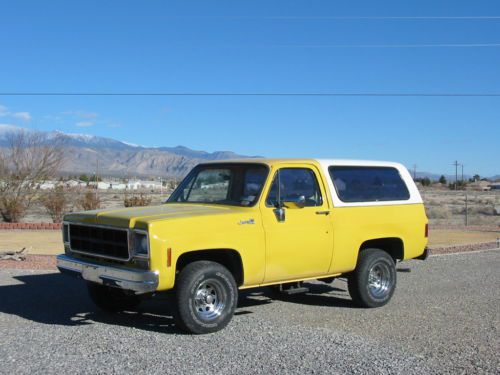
x: 229, y: 184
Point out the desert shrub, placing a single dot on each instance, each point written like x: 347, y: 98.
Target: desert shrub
x: 55, y: 203
x: 482, y: 210
x: 438, y: 212
x: 89, y: 201
x: 12, y: 209
x: 136, y: 200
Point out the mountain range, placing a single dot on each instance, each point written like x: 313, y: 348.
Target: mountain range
x: 122, y: 159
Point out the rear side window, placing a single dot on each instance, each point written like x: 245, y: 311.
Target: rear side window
x: 368, y: 184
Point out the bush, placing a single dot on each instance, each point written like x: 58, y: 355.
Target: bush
x: 12, y: 208
x: 136, y: 200
x: 89, y: 201
x: 56, y: 203
x: 438, y: 213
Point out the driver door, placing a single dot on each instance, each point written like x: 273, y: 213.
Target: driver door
x: 300, y: 245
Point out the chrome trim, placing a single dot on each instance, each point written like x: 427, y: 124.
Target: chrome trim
x: 138, y: 281
x: 99, y: 226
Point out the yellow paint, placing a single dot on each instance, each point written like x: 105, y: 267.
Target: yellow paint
x: 305, y: 246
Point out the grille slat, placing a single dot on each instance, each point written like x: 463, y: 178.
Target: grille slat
x: 101, y: 241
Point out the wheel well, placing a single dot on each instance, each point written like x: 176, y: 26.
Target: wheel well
x: 392, y: 245
x: 229, y: 258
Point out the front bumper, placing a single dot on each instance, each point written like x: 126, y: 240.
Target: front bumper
x: 138, y: 281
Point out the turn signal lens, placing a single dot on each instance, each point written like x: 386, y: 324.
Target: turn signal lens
x: 426, y: 230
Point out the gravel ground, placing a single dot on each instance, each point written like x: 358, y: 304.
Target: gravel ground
x: 444, y: 318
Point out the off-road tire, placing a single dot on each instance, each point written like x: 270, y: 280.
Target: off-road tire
x: 376, y: 289
x: 205, y: 297
x: 112, y: 299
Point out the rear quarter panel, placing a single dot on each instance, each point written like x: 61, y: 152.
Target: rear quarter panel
x: 354, y: 225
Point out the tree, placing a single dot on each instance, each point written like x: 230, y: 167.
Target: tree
x: 442, y: 180
x: 26, y: 161
x: 425, y: 181
x: 84, y: 178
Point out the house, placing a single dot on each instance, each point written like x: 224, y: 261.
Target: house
x: 101, y: 185
x: 118, y: 186
x: 75, y: 183
x: 479, y: 185
x: 47, y: 185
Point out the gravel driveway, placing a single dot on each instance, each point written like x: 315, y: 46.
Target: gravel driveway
x: 444, y: 318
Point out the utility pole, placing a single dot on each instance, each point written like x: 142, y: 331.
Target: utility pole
x: 456, y: 164
x: 462, y: 173
x: 414, y: 172
x: 97, y: 180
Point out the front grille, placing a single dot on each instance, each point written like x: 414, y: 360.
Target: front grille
x: 99, y: 241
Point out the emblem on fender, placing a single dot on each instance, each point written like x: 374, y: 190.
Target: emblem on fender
x: 249, y: 221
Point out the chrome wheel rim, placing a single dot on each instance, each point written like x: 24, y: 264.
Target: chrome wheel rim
x: 209, y: 301
x: 379, y: 280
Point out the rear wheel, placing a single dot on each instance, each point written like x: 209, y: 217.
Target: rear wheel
x: 205, y: 297
x: 112, y: 299
x: 373, y: 282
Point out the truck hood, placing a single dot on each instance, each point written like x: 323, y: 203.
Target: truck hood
x: 127, y: 217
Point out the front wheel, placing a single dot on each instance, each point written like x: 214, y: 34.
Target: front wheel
x: 206, y: 297
x: 373, y: 282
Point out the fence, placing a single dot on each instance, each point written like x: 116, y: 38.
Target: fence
x: 462, y: 207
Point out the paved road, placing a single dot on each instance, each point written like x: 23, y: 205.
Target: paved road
x: 444, y: 318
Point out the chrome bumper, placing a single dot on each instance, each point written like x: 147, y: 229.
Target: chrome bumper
x: 137, y: 281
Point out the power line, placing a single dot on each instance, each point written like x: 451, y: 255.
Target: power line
x: 340, y: 18
x: 345, y: 94
x: 417, y: 45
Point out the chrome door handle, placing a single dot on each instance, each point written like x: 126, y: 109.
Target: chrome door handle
x: 323, y: 212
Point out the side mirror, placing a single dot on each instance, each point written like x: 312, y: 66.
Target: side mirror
x: 280, y: 214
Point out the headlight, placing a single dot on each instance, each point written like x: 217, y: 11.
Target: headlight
x: 140, y: 244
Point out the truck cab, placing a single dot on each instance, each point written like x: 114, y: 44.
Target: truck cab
x: 248, y: 223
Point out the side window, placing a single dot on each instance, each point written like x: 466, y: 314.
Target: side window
x: 296, y: 185
x: 368, y: 184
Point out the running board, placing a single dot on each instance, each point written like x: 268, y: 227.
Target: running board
x: 293, y: 288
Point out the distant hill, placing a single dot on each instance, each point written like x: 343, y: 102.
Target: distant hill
x: 117, y: 158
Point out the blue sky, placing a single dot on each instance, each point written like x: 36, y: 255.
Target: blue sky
x: 263, y: 47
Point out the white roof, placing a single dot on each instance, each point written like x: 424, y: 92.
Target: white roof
x: 354, y: 162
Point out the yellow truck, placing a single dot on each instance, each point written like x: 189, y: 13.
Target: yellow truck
x: 248, y: 223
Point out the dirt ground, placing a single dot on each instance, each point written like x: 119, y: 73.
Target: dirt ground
x: 49, y: 242
x: 36, y: 242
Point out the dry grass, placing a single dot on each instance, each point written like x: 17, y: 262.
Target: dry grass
x: 442, y: 237
x: 36, y: 242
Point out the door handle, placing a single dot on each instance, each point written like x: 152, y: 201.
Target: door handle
x: 323, y: 212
